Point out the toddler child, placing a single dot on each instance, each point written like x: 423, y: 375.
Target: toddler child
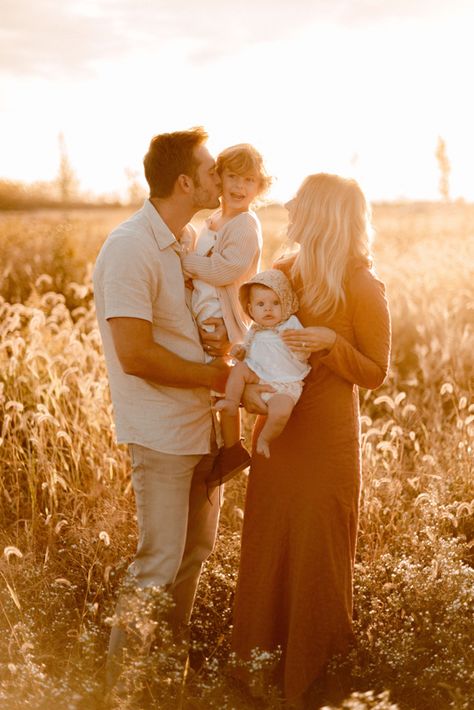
x: 270, y: 301
x: 227, y: 253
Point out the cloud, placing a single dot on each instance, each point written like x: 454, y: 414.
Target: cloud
x: 50, y: 37
x: 67, y: 37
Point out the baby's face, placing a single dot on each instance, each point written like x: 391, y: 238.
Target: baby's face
x: 264, y: 306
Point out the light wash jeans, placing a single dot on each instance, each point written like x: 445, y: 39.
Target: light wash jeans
x: 177, y: 524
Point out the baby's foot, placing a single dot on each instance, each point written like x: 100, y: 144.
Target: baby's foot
x: 227, y: 406
x: 263, y: 447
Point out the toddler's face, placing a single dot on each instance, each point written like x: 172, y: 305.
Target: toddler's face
x: 239, y: 191
x: 264, y: 306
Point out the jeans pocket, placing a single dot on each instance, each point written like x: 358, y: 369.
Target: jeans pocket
x: 136, y: 457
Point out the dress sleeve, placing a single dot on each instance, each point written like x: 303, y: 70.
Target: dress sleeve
x: 365, y: 363
x: 240, y: 245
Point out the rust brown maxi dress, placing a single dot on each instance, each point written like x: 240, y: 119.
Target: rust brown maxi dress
x: 294, y: 589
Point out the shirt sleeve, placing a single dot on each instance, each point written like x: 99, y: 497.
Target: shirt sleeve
x: 240, y: 245
x: 365, y: 364
x: 129, y: 284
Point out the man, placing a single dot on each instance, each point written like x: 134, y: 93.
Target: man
x: 159, y: 384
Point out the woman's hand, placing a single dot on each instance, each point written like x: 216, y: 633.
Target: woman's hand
x: 252, y: 400
x: 309, y: 340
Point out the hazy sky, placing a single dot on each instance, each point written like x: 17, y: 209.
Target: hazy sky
x: 361, y: 88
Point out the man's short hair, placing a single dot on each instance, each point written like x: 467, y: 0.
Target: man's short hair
x: 171, y: 155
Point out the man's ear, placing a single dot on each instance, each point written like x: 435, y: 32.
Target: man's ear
x: 185, y: 183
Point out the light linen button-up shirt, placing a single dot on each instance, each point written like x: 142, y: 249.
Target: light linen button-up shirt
x: 138, y: 275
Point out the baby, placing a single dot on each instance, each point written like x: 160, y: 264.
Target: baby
x: 270, y: 301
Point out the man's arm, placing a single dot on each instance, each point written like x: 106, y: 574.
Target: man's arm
x: 140, y: 356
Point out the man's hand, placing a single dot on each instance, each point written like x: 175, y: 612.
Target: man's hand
x: 220, y: 372
x: 215, y: 343
x: 252, y: 400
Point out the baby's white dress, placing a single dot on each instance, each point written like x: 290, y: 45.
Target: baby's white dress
x: 273, y: 362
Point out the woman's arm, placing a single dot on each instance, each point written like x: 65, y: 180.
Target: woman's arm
x: 365, y: 363
x: 239, y: 249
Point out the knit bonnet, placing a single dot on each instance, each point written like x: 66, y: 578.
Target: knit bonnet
x: 278, y: 282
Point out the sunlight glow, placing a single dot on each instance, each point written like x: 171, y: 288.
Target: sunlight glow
x: 359, y: 101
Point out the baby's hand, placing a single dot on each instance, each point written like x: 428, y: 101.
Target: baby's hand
x: 238, y: 351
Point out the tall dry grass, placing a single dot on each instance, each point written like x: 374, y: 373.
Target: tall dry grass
x: 67, y: 513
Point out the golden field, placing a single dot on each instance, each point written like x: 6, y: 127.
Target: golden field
x: 66, y: 507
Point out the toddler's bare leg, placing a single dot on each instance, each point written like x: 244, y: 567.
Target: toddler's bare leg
x: 240, y: 375
x: 280, y: 407
x: 230, y: 428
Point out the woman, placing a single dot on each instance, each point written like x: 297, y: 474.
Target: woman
x: 294, y: 591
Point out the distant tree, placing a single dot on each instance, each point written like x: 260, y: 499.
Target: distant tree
x: 136, y: 192
x: 66, y: 180
x: 444, y: 168
x: 24, y: 196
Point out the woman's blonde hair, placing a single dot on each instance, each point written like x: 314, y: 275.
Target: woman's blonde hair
x: 330, y: 220
x: 243, y: 159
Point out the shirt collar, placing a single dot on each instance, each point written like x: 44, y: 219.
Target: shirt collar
x: 163, y: 235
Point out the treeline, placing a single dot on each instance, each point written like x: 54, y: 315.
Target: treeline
x: 39, y: 195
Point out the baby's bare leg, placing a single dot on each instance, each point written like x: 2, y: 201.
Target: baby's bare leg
x: 240, y: 375
x: 280, y: 407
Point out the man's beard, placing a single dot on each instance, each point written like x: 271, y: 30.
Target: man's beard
x: 203, y: 199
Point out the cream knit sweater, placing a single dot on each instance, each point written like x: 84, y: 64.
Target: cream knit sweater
x: 235, y: 259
